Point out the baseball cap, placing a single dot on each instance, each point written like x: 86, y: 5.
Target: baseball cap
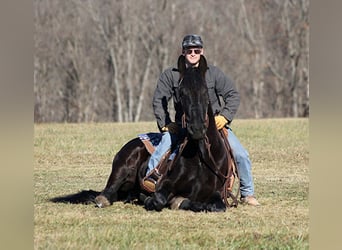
x: 192, y: 40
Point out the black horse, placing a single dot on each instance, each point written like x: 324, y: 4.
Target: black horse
x: 194, y: 180
x: 199, y: 173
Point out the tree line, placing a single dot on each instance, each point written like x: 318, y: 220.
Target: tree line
x: 99, y: 61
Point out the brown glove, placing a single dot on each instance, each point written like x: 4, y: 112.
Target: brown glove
x: 172, y: 127
x: 220, y: 121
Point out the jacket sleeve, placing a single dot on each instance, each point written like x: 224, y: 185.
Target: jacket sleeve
x: 225, y: 87
x: 161, y: 97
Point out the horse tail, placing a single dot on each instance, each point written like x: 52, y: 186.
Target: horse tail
x: 82, y: 197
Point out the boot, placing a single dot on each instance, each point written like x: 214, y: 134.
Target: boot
x: 250, y: 200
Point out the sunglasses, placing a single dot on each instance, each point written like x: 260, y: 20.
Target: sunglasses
x: 189, y: 51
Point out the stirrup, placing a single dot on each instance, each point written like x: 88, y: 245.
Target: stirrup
x: 149, y: 182
x: 149, y: 185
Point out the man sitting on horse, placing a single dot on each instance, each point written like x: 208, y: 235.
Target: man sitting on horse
x: 218, y: 85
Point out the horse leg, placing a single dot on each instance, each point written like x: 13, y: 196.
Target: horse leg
x: 182, y: 203
x: 126, y: 164
x: 215, y: 204
x: 176, y: 202
x: 160, y: 198
x: 109, y: 194
x: 157, y: 201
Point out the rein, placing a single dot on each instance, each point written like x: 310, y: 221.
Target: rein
x: 181, y: 148
x: 212, y: 166
x: 228, y: 190
x: 184, y: 123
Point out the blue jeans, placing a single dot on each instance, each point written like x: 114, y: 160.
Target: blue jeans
x: 244, y: 166
x: 239, y: 152
x: 163, y: 146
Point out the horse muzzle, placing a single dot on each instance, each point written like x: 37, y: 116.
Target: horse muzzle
x: 197, y: 132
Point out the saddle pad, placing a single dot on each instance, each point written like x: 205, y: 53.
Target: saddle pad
x: 151, y: 140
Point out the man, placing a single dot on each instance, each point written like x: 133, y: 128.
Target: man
x: 218, y: 85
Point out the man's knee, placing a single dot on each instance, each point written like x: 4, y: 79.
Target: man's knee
x: 166, y: 138
x: 165, y: 142
x: 241, y: 155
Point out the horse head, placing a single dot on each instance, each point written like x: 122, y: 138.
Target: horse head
x: 194, y: 97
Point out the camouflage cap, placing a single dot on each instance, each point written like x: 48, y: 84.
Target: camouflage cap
x: 192, y: 41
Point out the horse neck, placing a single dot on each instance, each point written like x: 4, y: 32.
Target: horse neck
x: 212, y: 150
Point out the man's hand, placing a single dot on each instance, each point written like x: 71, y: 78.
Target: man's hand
x: 172, y: 127
x: 220, y: 121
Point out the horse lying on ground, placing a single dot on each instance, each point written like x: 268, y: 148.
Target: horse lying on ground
x: 201, y: 169
x: 195, y: 178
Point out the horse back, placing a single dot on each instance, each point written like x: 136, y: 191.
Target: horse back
x: 129, y: 164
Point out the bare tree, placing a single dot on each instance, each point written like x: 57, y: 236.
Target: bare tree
x: 100, y: 60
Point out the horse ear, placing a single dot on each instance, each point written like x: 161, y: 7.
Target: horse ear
x: 181, y: 65
x: 203, y: 66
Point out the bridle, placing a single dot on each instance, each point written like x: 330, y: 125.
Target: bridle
x: 185, y: 124
x: 211, y: 164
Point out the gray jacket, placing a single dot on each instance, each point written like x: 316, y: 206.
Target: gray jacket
x: 219, y: 85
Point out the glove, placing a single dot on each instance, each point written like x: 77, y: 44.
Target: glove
x: 220, y: 121
x: 172, y: 127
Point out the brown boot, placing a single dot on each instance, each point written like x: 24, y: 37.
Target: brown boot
x: 250, y: 200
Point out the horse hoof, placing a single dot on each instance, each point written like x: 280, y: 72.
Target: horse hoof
x: 102, y: 201
x: 149, y: 203
x: 142, y: 197
x: 176, y: 202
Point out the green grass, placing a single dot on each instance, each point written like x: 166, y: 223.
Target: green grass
x: 72, y: 157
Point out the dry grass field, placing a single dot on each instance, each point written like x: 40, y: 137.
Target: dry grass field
x: 72, y: 157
